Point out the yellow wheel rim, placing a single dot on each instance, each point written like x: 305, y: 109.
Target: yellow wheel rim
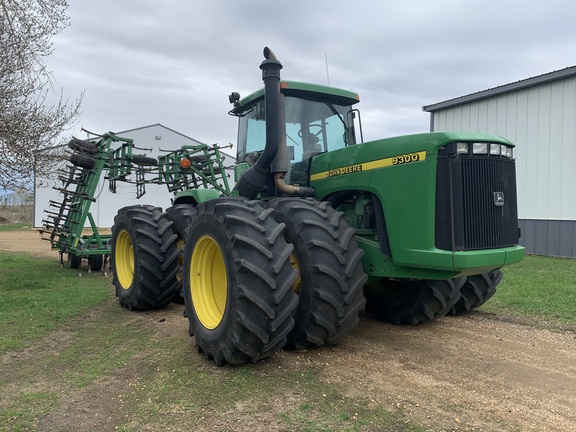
x: 208, y: 282
x: 296, y: 284
x: 124, y: 257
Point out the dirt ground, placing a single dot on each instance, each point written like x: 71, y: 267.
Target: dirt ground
x: 478, y: 372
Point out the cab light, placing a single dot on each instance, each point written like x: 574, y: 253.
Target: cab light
x: 495, y: 149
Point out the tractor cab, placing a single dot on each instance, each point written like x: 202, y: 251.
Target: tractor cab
x: 318, y: 119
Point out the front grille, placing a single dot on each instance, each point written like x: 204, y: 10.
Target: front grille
x: 476, y: 204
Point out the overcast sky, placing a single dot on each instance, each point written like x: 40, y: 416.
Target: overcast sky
x: 142, y: 62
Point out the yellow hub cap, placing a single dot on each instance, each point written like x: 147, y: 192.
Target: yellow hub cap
x: 208, y: 282
x: 296, y: 284
x: 124, y: 257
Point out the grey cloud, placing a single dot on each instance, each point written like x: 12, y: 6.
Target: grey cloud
x: 175, y: 62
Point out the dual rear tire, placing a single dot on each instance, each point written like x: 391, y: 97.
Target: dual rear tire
x: 331, y: 277
x: 261, y: 277
x: 237, y: 281
x: 143, y: 258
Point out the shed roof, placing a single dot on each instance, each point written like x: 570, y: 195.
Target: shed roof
x: 506, y: 88
x: 174, y: 131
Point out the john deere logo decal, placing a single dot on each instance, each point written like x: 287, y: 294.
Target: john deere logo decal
x: 367, y: 166
x: 498, y: 199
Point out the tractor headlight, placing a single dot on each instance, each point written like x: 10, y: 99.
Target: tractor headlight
x: 480, y: 148
x: 495, y: 149
x: 462, y: 148
x: 509, y: 152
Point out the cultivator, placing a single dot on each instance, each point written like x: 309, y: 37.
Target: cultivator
x: 193, y: 167
x: 64, y: 223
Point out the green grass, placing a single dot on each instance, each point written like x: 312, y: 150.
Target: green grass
x: 91, y: 346
x: 38, y: 297
x: 28, y: 406
x: 192, y: 391
x: 65, y: 338
x: 14, y: 226
x: 538, y: 287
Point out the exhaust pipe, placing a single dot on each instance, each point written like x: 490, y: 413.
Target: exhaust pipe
x: 274, y: 154
x: 252, y: 181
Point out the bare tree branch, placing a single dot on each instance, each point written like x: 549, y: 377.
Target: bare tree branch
x: 28, y: 124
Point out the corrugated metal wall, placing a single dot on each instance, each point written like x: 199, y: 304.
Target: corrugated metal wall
x: 541, y: 121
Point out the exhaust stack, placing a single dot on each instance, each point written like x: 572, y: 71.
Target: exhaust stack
x: 274, y: 154
x: 252, y: 181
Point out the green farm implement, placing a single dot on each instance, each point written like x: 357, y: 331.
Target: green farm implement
x: 112, y: 157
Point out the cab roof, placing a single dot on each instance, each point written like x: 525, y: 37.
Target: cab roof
x: 305, y: 91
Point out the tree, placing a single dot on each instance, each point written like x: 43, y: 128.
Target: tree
x: 29, y: 125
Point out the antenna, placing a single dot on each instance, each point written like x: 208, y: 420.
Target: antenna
x: 327, y: 73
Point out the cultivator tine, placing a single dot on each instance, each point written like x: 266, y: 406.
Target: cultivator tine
x: 67, y: 205
x: 140, y: 183
x: 76, y: 194
x: 70, y: 180
x: 52, y: 214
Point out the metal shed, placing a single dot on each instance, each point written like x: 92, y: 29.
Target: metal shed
x: 154, y: 137
x: 538, y: 114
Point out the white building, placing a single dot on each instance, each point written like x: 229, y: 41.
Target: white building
x: 155, y: 138
x: 539, y: 115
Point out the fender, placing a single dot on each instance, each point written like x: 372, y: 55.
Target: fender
x: 195, y: 196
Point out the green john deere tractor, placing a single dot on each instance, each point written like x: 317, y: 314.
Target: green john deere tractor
x: 320, y: 226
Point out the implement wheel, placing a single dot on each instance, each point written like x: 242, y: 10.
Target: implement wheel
x: 143, y: 258
x: 476, y: 291
x: 82, y: 146
x: 181, y: 216
x: 74, y: 261
x: 238, y: 281
x: 95, y: 262
x: 144, y: 161
x: 82, y: 161
x: 412, y: 302
x: 331, y: 277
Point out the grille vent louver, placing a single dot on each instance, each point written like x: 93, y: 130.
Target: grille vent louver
x: 467, y: 214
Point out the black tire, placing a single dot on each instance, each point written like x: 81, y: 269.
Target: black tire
x: 74, y: 261
x: 331, y: 276
x: 476, y: 291
x: 143, y: 258
x: 238, y: 281
x: 181, y: 216
x: 95, y: 262
x: 82, y: 146
x: 144, y: 161
x: 412, y: 301
x: 82, y: 161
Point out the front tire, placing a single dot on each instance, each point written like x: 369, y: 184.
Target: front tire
x: 331, y: 276
x: 143, y: 258
x: 412, y: 301
x: 237, y: 281
x: 476, y: 291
